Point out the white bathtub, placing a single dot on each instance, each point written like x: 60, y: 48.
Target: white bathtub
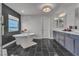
x: 25, y: 39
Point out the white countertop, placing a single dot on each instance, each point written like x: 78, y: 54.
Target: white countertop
x: 23, y: 34
x: 74, y: 32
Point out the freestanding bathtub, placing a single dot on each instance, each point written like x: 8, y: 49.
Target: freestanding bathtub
x: 25, y: 39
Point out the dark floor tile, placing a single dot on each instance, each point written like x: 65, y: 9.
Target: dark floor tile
x: 23, y: 53
x: 51, y: 40
x: 44, y: 47
x: 15, y: 50
x: 45, y: 52
x: 55, y: 54
x: 44, y: 43
x: 37, y: 40
x: 49, y: 44
x: 31, y: 52
x: 38, y: 49
x: 38, y: 54
x: 59, y: 53
x: 63, y: 50
x: 19, y: 51
x: 27, y: 49
x: 51, y: 53
x: 39, y: 45
x: 66, y: 53
x: 9, y: 52
x: 50, y: 47
x: 57, y: 50
x: 11, y: 46
x: 34, y: 46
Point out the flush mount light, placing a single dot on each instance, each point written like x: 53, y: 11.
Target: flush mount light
x: 47, y: 8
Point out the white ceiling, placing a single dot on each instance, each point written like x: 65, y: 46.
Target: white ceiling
x: 31, y: 8
x: 28, y: 8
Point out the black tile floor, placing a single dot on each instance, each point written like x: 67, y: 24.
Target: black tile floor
x: 44, y: 47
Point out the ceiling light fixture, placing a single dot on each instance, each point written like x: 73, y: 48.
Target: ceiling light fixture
x: 47, y: 8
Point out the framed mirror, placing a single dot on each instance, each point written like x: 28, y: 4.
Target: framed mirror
x: 60, y: 22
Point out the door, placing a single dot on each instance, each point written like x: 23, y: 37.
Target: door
x: 45, y: 26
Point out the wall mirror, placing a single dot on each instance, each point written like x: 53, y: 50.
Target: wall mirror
x: 60, y: 21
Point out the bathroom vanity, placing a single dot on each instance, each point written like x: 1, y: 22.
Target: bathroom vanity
x: 25, y: 39
x: 69, y: 40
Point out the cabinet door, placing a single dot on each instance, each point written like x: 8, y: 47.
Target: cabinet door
x: 57, y: 36
x: 77, y: 46
x: 69, y: 43
x: 61, y: 38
